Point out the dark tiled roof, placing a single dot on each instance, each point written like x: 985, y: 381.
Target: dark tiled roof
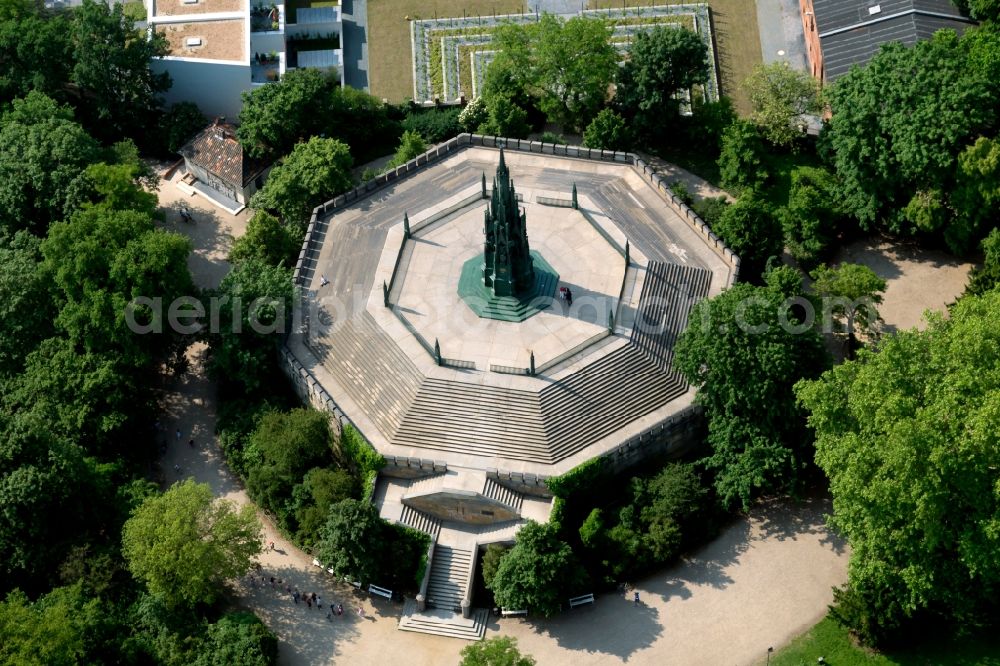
x: 216, y: 149
x: 850, y: 34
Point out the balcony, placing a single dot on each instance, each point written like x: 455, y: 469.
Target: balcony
x: 267, y: 18
x: 266, y: 68
x: 313, y: 12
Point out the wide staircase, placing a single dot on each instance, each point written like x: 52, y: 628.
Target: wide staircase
x: 444, y: 622
x: 373, y: 371
x: 503, y: 494
x: 668, y: 294
x: 476, y: 420
x: 420, y: 521
x: 448, y: 578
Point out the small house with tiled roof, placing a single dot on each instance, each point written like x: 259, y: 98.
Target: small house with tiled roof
x: 215, y: 161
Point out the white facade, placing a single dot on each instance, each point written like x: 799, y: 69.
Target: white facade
x: 216, y: 56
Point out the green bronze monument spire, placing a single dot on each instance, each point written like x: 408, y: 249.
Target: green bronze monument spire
x: 507, y: 269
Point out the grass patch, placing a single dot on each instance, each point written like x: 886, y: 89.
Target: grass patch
x: 737, y: 41
x: 832, y: 642
x: 390, y: 56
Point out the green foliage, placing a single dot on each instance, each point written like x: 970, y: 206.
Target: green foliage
x: 607, y: 131
x: 751, y: 229
x: 981, y: 10
x: 491, y: 561
x: 496, y: 651
x: 354, y: 541
x: 111, y: 67
x: 411, y: 144
x: 288, y: 445
x: 185, y: 544
x: 505, y: 118
x: 473, y: 115
x: 552, y: 137
x: 779, y: 96
x: 434, y: 125
x: 538, y: 573
x: 314, y: 172
x: 813, y: 215
x: 320, y: 489
x: 741, y: 160
x: 26, y: 308
x: 52, y: 631
x: 711, y: 209
x: 362, y: 455
x: 243, y: 351
x: 986, y: 277
x: 577, y: 478
x: 898, y: 127
x: 567, y: 65
x: 977, y: 192
x: 308, y: 103
x: 239, y: 639
x: 920, y: 506
x: 42, y: 151
x: 680, y: 190
x: 744, y: 363
x: 181, y: 122
x: 592, y: 529
x: 36, y: 51
x: 662, y: 62
x: 850, y: 293
x: 268, y: 240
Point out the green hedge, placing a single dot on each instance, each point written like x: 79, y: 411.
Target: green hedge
x: 357, y: 450
x: 576, y: 479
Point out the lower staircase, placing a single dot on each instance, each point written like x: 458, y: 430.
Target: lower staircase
x: 448, y: 578
x: 444, y: 622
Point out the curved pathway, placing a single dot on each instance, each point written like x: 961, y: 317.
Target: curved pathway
x: 765, y: 579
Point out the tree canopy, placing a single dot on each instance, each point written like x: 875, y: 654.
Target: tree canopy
x: 907, y: 436
x: 607, y: 131
x: 538, y: 573
x: 662, y: 63
x: 496, y: 651
x: 314, y: 172
x: 850, y: 292
x: 741, y: 160
x: 751, y: 229
x: 185, y: 543
x: 267, y: 239
x: 780, y: 96
x: 353, y: 541
x: 567, y: 65
x: 744, y: 350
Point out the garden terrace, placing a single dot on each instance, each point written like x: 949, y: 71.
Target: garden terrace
x: 211, y: 40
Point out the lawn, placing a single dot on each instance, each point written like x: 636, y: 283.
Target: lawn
x: 390, y: 56
x: 830, y: 641
x: 737, y: 42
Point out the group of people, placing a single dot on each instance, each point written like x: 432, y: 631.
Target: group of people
x: 310, y: 599
x: 186, y: 215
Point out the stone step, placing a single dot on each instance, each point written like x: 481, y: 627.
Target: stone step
x: 355, y: 351
x: 503, y: 494
x: 448, y: 578
x: 421, y: 521
x: 668, y: 294
x: 443, y: 623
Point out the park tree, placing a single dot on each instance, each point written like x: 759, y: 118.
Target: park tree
x: 538, y: 572
x: 898, y: 127
x: 411, y: 144
x: 42, y: 151
x: 117, y: 89
x: 353, y: 541
x: 256, y: 310
x: 185, y: 544
x: 434, y: 125
x: 752, y: 230
x: 364, y: 122
x: 741, y: 161
x: 180, y: 123
x: 744, y: 351
x: 491, y: 561
x: 321, y: 488
x: 35, y: 50
x: 567, y: 65
x: 662, y: 63
x: 496, y: 651
x: 274, y: 117
x: 986, y: 277
x: 780, y: 96
x: 907, y: 436
x: 813, y: 216
x: 55, y: 630
x: 473, y: 115
x: 976, y: 197
x: 850, y: 293
x: 268, y: 240
x: 26, y: 307
x: 314, y: 172
x: 607, y: 131
x: 505, y: 118
x: 238, y: 639
x: 981, y: 10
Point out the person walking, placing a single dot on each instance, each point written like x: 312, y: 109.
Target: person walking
x: 191, y: 443
x: 296, y: 597
x: 636, y: 597
x: 340, y: 609
x: 178, y: 434
x: 361, y: 611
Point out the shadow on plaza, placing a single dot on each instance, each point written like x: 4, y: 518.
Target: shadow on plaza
x: 787, y: 519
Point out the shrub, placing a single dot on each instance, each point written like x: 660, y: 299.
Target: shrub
x: 435, y: 125
x: 552, y: 137
x: 576, y: 479
x: 491, y: 561
x: 473, y: 115
x: 607, y: 131
x: 741, y: 163
x: 710, y: 210
x: 359, y: 452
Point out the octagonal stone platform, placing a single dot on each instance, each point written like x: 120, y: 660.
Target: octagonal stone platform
x: 593, y: 389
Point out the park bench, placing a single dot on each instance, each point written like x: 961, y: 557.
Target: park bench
x: 581, y: 600
x: 509, y: 612
x: 380, y: 591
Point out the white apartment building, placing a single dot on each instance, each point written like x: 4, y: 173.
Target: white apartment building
x: 221, y: 48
